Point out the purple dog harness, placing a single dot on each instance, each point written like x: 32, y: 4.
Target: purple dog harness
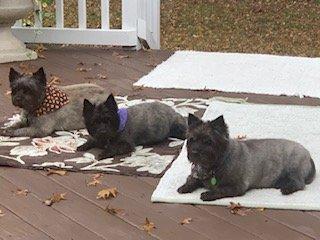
x: 123, y: 117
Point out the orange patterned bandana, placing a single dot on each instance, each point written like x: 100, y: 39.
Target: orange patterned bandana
x: 54, y: 100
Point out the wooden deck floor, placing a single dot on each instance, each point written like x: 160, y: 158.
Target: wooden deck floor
x: 82, y: 216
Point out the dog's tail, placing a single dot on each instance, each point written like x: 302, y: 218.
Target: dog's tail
x: 311, y: 174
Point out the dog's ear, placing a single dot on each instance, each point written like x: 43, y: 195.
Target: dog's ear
x: 193, y: 120
x: 40, y: 76
x: 13, y: 75
x: 219, y: 124
x: 88, y: 108
x: 111, y: 103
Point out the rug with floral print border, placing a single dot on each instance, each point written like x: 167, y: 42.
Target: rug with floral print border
x: 59, y: 150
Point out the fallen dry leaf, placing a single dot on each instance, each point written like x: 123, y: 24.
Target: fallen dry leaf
x: 25, y: 68
x: 151, y: 64
x: 97, y: 64
x: 186, y: 221
x: 237, y: 209
x: 23, y: 192
x: 95, y: 180
x: 100, y: 76
x: 1, y: 213
x: 118, y: 55
x: 54, y: 80
x: 40, y: 48
x: 113, y: 211
x: 260, y: 209
x: 81, y: 69
x: 148, y: 226
x: 241, y: 136
x: 55, y: 198
x: 107, y: 193
x: 58, y: 172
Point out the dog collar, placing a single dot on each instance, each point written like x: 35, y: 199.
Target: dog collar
x: 54, y: 99
x: 123, y: 117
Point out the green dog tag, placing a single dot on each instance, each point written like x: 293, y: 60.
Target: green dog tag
x: 213, y: 181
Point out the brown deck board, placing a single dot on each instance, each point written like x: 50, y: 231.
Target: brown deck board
x: 204, y: 223
x: 75, y: 207
x: 13, y: 227
x: 82, y: 216
x: 255, y: 222
x: 32, y: 210
x: 134, y: 211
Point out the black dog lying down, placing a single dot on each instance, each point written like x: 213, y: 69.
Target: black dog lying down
x: 118, y: 131
x: 229, y: 167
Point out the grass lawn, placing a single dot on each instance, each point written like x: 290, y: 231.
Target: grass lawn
x: 270, y: 26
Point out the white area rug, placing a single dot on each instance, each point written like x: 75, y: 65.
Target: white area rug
x: 256, y: 121
x: 235, y: 72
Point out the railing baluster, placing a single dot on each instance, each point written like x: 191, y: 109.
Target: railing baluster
x: 38, y: 15
x: 105, y: 19
x: 82, y: 14
x: 59, y: 14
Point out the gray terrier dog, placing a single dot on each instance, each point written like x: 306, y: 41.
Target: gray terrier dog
x: 117, y: 131
x: 45, y: 108
x: 229, y: 167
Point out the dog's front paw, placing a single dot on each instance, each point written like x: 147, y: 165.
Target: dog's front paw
x: 184, y: 189
x: 209, y: 196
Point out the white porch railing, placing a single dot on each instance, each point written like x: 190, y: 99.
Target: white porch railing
x: 140, y: 19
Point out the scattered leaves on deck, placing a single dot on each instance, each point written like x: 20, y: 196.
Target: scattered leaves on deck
x: 55, y: 198
x: 237, y: 209
x: 20, y: 192
x: 148, y: 226
x: 95, y: 180
x: 114, y: 211
x: 107, y: 193
x: 57, y: 172
x: 1, y: 213
x: 186, y: 221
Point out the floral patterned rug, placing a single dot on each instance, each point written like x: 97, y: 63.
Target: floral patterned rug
x: 59, y: 150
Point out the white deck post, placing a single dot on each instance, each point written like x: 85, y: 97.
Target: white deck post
x: 130, y: 17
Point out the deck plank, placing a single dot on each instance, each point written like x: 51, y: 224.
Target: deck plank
x: 75, y: 208
x: 70, y: 218
x: 211, y: 226
x: 47, y: 219
x: 135, y: 212
x: 13, y: 227
x: 255, y: 222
